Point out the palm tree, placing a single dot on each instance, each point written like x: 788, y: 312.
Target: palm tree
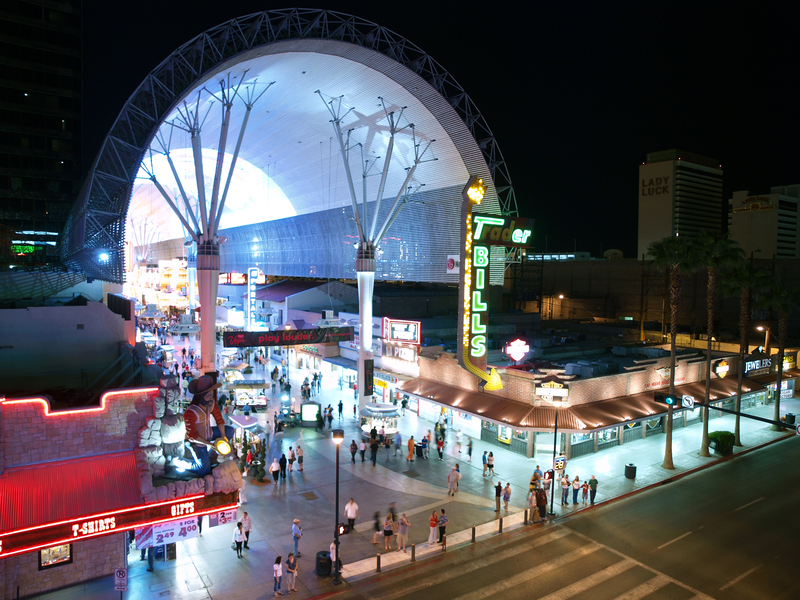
x: 715, y: 251
x: 746, y: 279
x: 785, y: 301
x: 676, y: 256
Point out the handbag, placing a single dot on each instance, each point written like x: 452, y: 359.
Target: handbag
x: 233, y: 546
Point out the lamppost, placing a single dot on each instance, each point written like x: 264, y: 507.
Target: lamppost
x: 555, y: 450
x: 287, y: 327
x: 765, y: 329
x: 549, y: 390
x: 338, y: 438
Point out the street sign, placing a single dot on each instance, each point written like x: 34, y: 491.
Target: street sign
x: 560, y: 463
x: 687, y: 401
x: 121, y: 579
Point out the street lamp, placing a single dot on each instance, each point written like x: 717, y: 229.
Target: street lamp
x: 338, y: 438
x: 287, y: 327
x: 557, y: 403
x: 765, y: 329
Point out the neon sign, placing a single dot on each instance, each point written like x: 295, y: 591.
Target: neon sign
x: 552, y: 386
x: 252, y: 276
x: 516, y: 350
x: 395, y: 330
x: 479, y: 233
x: 722, y: 368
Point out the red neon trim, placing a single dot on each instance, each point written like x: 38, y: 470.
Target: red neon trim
x: 101, y: 408
x: 72, y: 540
x: 106, y: 514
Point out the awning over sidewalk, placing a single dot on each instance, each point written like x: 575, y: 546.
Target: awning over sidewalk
x: 342, y: 362
x: 584, y: 418
x: 51, y: 492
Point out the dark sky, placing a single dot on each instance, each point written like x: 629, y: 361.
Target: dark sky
x: 575, y: 93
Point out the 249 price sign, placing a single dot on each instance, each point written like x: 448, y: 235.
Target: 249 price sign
x: 166, y: 533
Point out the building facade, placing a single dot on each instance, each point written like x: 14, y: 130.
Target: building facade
x: 765, y: 225
x: 680, y: 193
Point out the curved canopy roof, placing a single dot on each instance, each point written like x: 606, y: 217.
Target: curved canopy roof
x: 292, y: 67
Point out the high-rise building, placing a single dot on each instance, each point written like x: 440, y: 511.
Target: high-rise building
x: 680, y: 194
x: 40, y: 124
x: 765, y: 225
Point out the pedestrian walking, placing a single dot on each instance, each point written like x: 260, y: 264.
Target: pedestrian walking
x: 277, y: 574
x: 411, y: 444
x: 297, y: 533
x: 362, y: 448
x: 402, y: 532
x: 330, y: 419
x: 485, y: 461
x: 498, y: 492
x: 291, y: 573
x: 565, y: 490
x: 353, y: 450
x: 398, y: 440
x: 534, y: 510
x: 282, y: 463
x: 469, y: 450
x: 490, y: 463
x: 576, y: 487
x: 388, y: 529
x: 458, y: 441
x: 387, y: 443
x: 506, y: 495
x: 351, y: 513
x: 247, y: 526
x: 291, y: 459
x: 440, y: 448
x: 299, y: 453
x: 443, y: 520
x: 452, y: 481
x: 434, y: 523
x: 585, y: 492
x: 341, y: 408
x: 238, y: 539
x: 373, y: 452
x: 424, y: 444
x: 275, y: 469
x: 200, y: 522
x: 377, y: 527
x: 592, y: 489
x: 381, y: 434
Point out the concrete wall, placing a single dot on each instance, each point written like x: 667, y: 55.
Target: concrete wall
x: 91, y: 559
x: 71, y: 434
x: 51, y: 345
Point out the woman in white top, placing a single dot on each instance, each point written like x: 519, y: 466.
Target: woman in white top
x: 275, y: 469
x: 277, y: 573
x: 238, y: 538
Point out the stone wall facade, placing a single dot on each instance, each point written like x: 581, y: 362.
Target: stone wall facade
x: 92, y: 558
x: 59, y: 435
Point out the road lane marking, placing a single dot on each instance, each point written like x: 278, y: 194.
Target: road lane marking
x: 698, y: 594
x: 740, y: 577
x: 530, y: 574
x: 591, y: 581
x: 479, y: 564
x: 645, y: 589
x: 680, y: 537
x: 749, y: 504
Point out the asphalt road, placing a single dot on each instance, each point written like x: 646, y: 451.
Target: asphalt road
x: 728, y: 532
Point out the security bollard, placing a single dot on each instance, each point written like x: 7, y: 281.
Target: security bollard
x: 501, y: 525
x: 413, y: 552
x: 473, y: 534
x: 379, y: 562
x: 526, y: 517
x: 444, y: 542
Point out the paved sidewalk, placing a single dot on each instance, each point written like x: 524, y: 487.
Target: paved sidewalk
x: 206, y: 567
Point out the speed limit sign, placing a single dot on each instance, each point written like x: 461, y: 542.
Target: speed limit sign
x: 121, y: 579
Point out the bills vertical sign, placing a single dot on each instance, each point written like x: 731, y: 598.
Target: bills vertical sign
x: 479, y: 232
x: 252, y: 275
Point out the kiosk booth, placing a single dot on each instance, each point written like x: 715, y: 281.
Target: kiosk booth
x: 377, y: 415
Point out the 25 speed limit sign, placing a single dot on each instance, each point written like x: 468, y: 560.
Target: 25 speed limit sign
x: 121, y: 579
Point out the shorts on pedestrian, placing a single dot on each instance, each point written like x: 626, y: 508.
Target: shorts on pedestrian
x: 402, y: 539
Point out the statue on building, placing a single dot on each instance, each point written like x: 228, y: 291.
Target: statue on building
x: 200, y: 433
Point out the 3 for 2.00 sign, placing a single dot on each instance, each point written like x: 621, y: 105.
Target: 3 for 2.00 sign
x: 166, y: 533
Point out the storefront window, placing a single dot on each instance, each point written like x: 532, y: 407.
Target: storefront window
x: 607, y: 435
x: 504, y: 434
x: 55, y: 556
x: 577, y: 438
x: 489, y: 426
x: 521, y: 435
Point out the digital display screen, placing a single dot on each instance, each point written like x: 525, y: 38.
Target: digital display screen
x: 308, y: 412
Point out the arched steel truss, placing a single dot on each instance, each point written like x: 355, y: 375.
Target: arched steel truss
x: 96, y: 225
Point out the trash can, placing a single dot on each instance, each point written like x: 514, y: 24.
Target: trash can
x: 790, y: 418
x: 630, y: 471
x: 419, y: 446
x: 323, y: 568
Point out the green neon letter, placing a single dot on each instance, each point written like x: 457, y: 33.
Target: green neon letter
x: 477, y: 326
x: 480, y: 222
x: 478, y: 346
x: 477, y: 304
x: 480, y: 279
x: 481, y: 254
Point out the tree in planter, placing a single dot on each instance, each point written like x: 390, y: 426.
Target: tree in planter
x: 747, y: 280
x: 243, y: 461
x: 785, y: 302
x: 262, y: 459
x: 714, y: 251
x: 723, y: 440
x: 675, y: 255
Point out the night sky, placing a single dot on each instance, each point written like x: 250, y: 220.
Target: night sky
x: 576, y: 94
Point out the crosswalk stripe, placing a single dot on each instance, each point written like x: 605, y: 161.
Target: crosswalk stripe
x: 590, y: 581
x: 407, y: 590
x: 530, y: 574
x: 648, y: 587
